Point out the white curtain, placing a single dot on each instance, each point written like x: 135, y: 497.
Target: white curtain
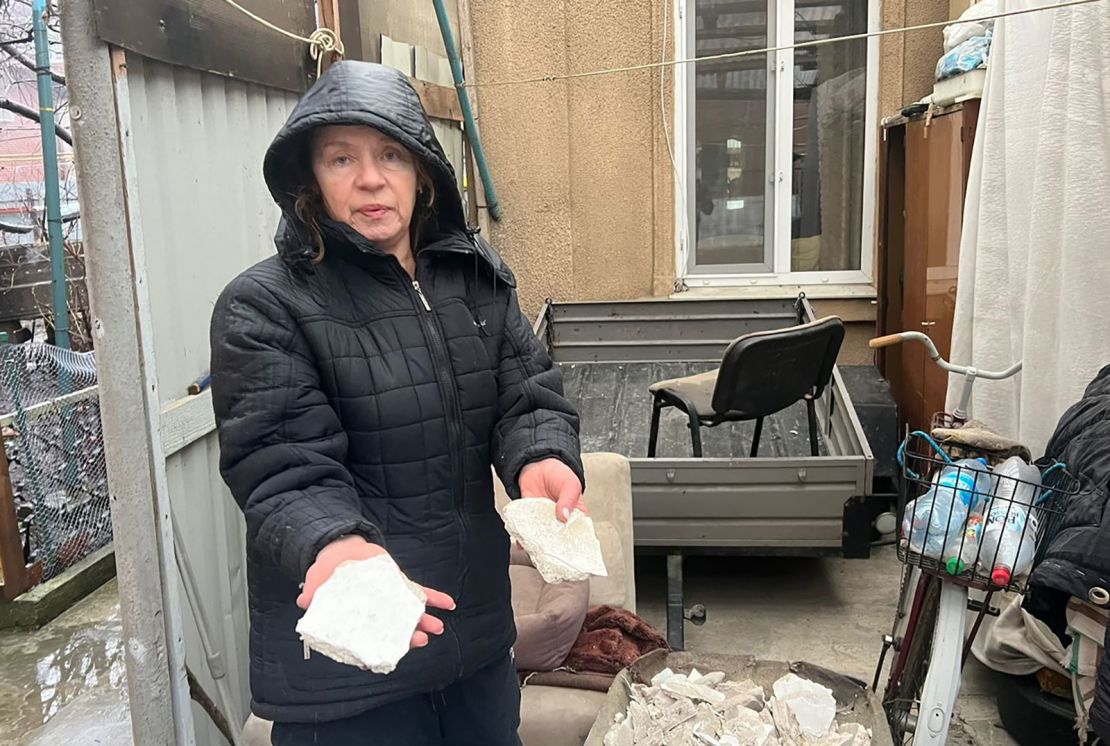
x: 1034, y: 279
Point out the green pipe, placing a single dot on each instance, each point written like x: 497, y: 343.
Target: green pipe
x: 468, y: 113
x: 50, y: 175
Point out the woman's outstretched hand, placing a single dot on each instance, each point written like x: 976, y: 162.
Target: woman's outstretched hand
x: 553, y: 479
x: 353, y: 549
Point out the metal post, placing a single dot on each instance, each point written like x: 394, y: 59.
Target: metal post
x: 468, y: 113
x: 50, y: 174
x: 676, y: 604
x: 153, y: 626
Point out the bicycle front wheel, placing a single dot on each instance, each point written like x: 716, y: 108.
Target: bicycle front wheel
x: 942, y: 682
x: 925, y: 674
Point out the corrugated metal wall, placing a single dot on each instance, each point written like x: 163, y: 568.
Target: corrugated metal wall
x: 205, y: 215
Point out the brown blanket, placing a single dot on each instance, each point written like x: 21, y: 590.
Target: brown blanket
x: 610, y: 640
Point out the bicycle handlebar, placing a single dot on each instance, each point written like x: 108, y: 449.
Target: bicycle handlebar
x: 934, y: 354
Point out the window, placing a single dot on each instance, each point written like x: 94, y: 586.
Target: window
x: 777, y: 161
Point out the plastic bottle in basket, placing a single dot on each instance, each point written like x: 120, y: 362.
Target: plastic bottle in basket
x: 1010, y: 532
x: 963, y: 550
x: 936, y: 520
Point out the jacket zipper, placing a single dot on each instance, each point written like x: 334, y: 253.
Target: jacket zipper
x: 442, y: 362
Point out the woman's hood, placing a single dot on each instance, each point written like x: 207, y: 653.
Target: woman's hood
x: 365, y: 93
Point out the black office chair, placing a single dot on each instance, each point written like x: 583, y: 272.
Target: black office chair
x: 761, y: 373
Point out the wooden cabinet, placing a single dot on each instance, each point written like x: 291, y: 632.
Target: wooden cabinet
x: 923, y: 179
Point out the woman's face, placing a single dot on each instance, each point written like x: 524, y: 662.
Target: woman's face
x: 367, y: 180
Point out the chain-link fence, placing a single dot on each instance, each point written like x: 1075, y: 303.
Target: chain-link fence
x: 55, y: 449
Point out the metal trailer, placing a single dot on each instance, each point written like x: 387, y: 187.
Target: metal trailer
x: 786, y: 502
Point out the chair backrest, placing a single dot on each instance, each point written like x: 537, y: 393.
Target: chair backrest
x: 765, y: 372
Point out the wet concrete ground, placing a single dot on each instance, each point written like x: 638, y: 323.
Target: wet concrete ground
x: 833, y: 612
x: 65, y: 683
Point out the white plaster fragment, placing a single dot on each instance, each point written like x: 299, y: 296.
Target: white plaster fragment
x: 561, y: 552
x: 364, y: 615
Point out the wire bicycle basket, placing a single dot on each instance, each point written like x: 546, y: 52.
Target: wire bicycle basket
x: 964, y: 522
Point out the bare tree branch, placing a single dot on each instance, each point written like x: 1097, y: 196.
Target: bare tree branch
x: 27, y: 63
x: 6, y: 227
x: 29, y: 113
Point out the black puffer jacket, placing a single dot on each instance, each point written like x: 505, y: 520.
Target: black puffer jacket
x: 1077, y: 560
x: 344, y: 406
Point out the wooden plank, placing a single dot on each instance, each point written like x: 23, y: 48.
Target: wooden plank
x: 50, y: 407
x: 13, y: 570
x: 211, y: 36
x: 439, y: 101
x: 634, y: 411
x: 186, y: 421
x: 328, y: 14
x: 466, y: 41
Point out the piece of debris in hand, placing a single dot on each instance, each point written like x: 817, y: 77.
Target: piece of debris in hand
x: 364, y: 615
x: 698, y: 709
x: 561, y: 552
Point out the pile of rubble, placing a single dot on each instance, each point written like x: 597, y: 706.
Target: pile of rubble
x: 705, y: 710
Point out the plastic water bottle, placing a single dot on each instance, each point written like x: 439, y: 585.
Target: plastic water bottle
x: 963, y: 550
x: 933, y: 520
x: 1010, y: 532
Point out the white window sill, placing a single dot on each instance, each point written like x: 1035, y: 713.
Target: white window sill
x: 780, y: 289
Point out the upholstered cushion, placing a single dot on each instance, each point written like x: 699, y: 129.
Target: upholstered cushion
x: 548, y: 618
x: 697, y: 389
x: 557, y: 716
x: 612, y: 589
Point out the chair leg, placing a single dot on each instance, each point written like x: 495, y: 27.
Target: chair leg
x: 653, y: 438
x: 756, y: 436
x: 695, y: 434
x: 812, y: 407
x: 676, y: 619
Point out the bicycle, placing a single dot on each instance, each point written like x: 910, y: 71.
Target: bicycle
x: 928, y: 634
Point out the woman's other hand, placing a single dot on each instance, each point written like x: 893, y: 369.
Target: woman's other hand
x: 354, y: 549
x: 553, y: 479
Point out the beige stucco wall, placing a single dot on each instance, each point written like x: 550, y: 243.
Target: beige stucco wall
x: 907, y: 62
x: 575, y: 163
x: 581, y: 166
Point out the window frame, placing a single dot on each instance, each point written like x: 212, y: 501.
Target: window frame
x: 779, y: 133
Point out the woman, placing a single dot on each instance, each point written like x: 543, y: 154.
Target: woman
x: 364, y: 380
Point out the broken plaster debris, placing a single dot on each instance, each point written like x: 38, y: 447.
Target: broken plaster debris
x: 561, y: 552
x: 364, y: 615
x: 698, y: 709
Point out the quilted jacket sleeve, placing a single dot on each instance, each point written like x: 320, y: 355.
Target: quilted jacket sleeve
x: 536, y: 420
x: 282, y: 448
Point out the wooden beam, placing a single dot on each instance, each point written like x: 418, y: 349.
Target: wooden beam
x: 51, y: 406
x: 327, y: 14
x: 13, y: 570
x: 466, y: 40
x: 186, y: 421
x: 439, y: 101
